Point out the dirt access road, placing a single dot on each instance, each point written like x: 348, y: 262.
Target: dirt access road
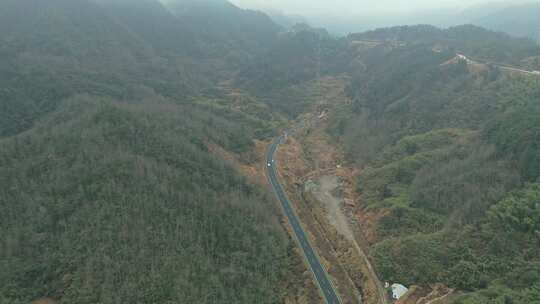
x: 313, y: 168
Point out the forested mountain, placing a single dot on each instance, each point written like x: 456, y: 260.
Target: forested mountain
x: 474, y: 41
x: 110, y: 202
x: 155, y: 24
x: 112, y: 190
x: 450, y: 156
x: 231, y: 32
x: 69, y: 47
x: 109, y: 191
x: 301, y: 55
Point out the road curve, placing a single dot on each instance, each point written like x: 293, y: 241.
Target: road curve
x: 325, y: 285
x: 500, y: 66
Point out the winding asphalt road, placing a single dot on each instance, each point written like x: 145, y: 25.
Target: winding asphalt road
x: 311, y: 257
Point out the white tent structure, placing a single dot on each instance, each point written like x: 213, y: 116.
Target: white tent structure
x: 398, y: 291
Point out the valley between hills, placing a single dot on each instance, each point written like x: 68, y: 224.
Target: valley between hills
x: 148, y: 155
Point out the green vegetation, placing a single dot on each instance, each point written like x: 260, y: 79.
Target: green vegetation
x: 233, y: 33
x: 74, y: 47
x: 446, y: 153
x: 109, y: 191
x: 109, y: 202
x: 517, y: 133
x: 474, y: 41
x: 519, y: 211
x: 281, y: 76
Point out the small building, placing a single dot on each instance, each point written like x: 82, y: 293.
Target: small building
x: 398, y: 291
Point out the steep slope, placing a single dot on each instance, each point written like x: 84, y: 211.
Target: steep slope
x: 69, y: 47
x: 110, y: 193
x: 69, y: 29
x: 58, y: 39
x: 111, y: 203
x: 155, y: 24
x: 230, y: 32
x: 282, y: 74
x: 447, y: 159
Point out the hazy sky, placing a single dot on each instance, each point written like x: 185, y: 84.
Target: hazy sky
x: 355, y: 7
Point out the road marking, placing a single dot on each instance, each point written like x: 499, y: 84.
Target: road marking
x: 321, y: 277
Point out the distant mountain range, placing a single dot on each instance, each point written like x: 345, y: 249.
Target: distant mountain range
x: 284, y: 19
x: 519, y: 20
